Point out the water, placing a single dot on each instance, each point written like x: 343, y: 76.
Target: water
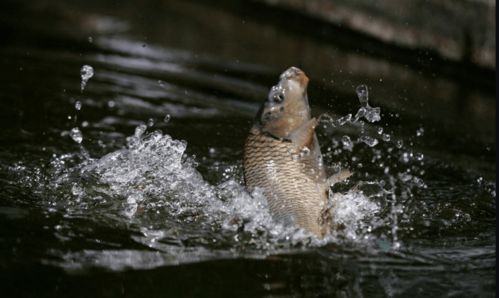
x: 131, y: 183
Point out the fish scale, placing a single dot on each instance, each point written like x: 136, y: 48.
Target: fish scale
x: 294, y: 186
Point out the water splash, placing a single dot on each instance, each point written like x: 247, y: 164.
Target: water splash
x: 371, y: 114
x: 86, y: 72
x: 153, y: 175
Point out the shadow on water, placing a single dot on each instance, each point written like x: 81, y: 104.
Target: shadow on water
x: 131, y: 211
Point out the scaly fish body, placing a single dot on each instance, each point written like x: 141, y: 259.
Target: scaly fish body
x: 282, y: 157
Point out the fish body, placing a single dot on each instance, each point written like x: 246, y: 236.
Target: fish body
x: 282, y: 157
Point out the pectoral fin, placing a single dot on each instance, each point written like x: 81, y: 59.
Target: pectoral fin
x: 339, y: 177
x: 304, y: 136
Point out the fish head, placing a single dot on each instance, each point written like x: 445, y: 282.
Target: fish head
x: 286, y: 107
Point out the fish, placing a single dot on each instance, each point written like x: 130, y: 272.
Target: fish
x: 282, y: 157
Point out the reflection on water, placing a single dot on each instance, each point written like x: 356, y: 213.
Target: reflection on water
x: 122, y: 142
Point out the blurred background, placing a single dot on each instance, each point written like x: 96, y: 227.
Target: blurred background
x: 91, y: 204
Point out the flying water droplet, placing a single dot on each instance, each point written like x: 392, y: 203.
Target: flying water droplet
x: 373, y: 114
x: 139, y: 130
x: 420, y: 132
x: 76, y: 135
x: 78, y: 105
x: 167, y: 118
x: 343, y: 120
x: 347, y: 143
x: 371, y: 142
x: 362, y: 94
x: 150, y: 122
x: 86, y: 73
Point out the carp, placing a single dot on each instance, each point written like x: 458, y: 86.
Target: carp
x: 282, y: 157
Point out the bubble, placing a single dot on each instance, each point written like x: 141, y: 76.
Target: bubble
x: 86, y: 72
x: 76, y: 135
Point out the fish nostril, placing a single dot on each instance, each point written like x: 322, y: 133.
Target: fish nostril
x: 278, y: 98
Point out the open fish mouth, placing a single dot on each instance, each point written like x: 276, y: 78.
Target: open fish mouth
x: 296, y: 74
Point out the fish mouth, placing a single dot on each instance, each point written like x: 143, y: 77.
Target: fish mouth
x: 295, y: 74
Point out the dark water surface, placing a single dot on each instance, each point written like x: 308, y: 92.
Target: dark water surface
x: 163, y: 212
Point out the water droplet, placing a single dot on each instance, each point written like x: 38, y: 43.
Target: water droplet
x: 90, y: 39
x: 111, y: 104
x: 386, y: 137
x: 167, y: 118
x: 86, y: 73
x: 405, y: 157
x: 84, y: 124
x: 344, y: 119
x: 371, y: 142
x: 139, y: 130
x: 399, y: 144
x: 420, y: 132
x: 76, y: 135
x: 150, y: 122
x: 78, y: 105
x: 305, y: 151
x: 380, y: 130
x: 362, y: 94
x: 419, y: 156
x: 76, y: 190
x: 372, y: 114
x: 347, y: 143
